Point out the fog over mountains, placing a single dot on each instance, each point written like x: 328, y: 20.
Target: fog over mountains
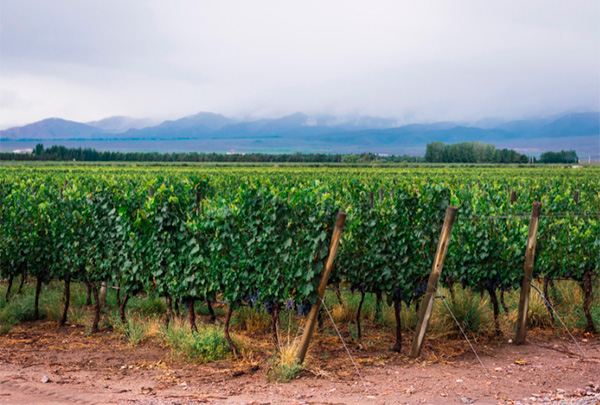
x: 300, y: 132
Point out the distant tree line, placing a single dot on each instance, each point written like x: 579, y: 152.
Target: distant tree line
x: 564, y: 156
x: 436, y: 152
x: 62, y: 153
x: 471, y: 152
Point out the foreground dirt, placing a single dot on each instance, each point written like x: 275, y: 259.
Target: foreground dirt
x: 103, y: 369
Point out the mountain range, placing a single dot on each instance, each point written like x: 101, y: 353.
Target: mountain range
x: 300, y: 132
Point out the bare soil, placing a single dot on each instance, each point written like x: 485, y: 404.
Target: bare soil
x: 104, y: 369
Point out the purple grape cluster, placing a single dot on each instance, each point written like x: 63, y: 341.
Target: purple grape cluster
x: 252, y: 298
x: 304, y: 308
x: 289, y: 304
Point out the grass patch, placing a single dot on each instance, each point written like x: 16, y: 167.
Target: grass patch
x: 205, y: 346
x: 19, y: 309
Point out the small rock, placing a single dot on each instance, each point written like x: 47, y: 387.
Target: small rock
x: 560, y: 390
x: 299, y: 396
x: 459, y: 381
x: 466, y: 400
x: 509, y: 340
x: 45, y: 379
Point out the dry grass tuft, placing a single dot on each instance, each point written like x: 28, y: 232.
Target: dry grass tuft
x: 471, y: 311
x: 284, y: 366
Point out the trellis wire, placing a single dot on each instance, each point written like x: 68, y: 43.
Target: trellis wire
x: 559, y: 318
x: 518, y: 216
x: 344, y: 343
x: 462, y: 331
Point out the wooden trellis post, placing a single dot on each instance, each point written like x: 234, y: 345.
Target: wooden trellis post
x: 528, y: 272
x: 314, y: 311
x: 434, y: 278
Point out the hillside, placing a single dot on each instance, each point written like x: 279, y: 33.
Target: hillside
x: 300, y: 132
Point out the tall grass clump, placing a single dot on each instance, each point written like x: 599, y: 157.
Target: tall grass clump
x: 538, y: 315
x: 471, y: 311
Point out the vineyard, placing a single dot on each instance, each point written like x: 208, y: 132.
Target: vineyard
x: 228, y: 242
x: 259, y: 237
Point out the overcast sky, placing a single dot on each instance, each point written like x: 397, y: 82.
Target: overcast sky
x: 417, y: 61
